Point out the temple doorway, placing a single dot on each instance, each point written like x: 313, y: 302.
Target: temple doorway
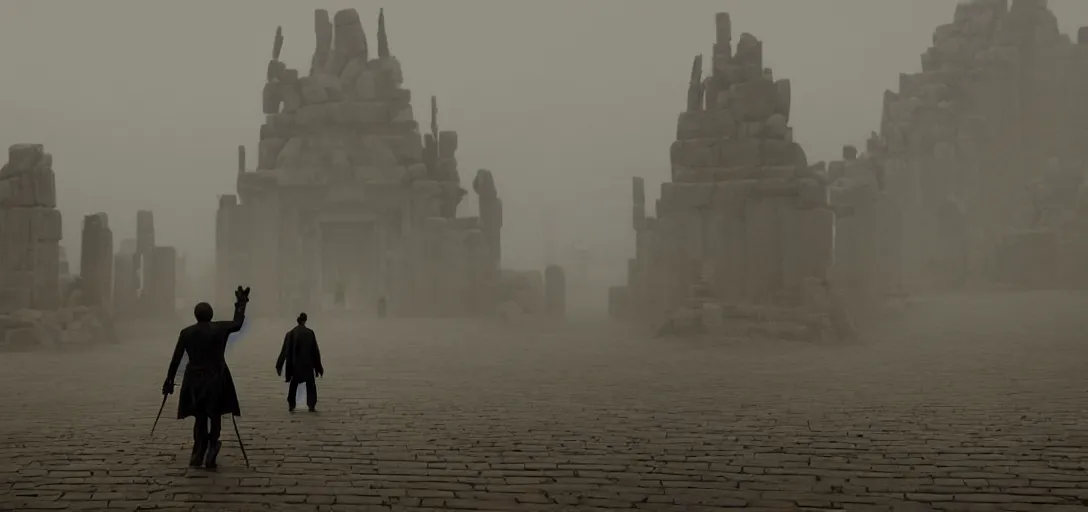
x: 348, y: 269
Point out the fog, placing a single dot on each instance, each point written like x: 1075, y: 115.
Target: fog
x: 143, y: 103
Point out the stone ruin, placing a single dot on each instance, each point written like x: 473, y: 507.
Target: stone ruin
x: 976, y: 176
x: 34, y: 308
x: 348, y: 198
x: 742, y: 240
x: 144, y: 274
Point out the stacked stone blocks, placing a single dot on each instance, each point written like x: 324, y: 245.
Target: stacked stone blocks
x: 745, y: 219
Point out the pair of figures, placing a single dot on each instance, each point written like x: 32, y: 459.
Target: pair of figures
x: 207, y: 389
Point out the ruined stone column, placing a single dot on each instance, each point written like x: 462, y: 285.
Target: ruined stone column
x: 490, y: 207
x: 490, y: 211
x: 124, y: 278
x: 30, y: 230
x: 555, y: 292
x: 96, y: 261
x: 145, y: 243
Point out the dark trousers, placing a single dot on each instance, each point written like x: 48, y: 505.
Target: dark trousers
x: 207, y: 428
x: 311, y: 391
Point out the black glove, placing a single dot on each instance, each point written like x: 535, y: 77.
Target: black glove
x: 241, y: 296
x: 279, y: 371
x: 168, y: 387
x: 320, y: 372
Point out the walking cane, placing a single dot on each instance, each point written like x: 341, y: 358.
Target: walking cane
x: 239, y: 436
x: 157, y: 416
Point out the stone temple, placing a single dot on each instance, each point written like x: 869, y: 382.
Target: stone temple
x: 742, y: 236
x: 975, y: 177
x: 349, y: 204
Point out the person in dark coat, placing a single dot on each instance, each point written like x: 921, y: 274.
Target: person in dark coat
x: 303, y: 361
x: 207, y: 389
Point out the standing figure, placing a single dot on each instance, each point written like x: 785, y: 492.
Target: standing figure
x: 303, y: 360
x: 207, y: 389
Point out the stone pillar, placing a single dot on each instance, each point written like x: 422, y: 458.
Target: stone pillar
x: 96, y: 261
x: 490, y: 206
x: 30, y: 230
x: 555, y: 292
x: 490, y: 209
x: 145, y: 243
x: 124, y: 278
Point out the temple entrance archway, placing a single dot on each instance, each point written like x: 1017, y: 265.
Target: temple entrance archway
x: 348, y: 269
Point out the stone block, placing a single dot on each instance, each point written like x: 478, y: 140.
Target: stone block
x: 723, y: 28
x: 812, y: 194
x: 364, y: 113
x: 366, y: 86
x: 685, y: 175
x: 270, y: 98
x: 690, y: 196
x: 776, y: 127
x: 313, y: 92
x: 754, y: 100
x: 268, y: 151
x: 23, y: 158
x: 311, y: 118
x: 290, y: 155
x: 739, y: 153
x: 447, y: 143
x: 33, y: 187
x: 404, y: 115
x: 695, y: 153
x: 749, y: 51
x: 378, y: 153
x: 349, y: 41
x: 781, y: 153
x: 407, y: 148
x: 691, y: 125
x: 45, y: 224
x: 446, y: 170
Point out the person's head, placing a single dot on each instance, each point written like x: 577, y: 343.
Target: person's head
x: 203, y: 312
x: 301, y: 319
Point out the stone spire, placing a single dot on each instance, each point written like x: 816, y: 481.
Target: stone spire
x: 695, y: 85
x: 434, y: 116
x: 277, y: 44
x: 383, y: 37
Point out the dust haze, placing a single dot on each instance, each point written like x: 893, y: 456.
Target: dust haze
x: 142, y: 104
x: 563, y: 255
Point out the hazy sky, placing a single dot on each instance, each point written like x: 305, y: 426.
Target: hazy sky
x: 142, y: 102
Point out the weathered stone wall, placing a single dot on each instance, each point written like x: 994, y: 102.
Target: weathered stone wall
x: 30, y: 231
x: 973, y: 176
x: 744, y: 219
x: 348, y: 194
x: 35, y: 312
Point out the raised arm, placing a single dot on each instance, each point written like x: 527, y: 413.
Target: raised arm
x: 175, y: 361
x: 241, y: 298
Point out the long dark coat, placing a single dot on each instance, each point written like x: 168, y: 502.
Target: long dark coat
x: 301, y: 355
x: 207, y: 388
